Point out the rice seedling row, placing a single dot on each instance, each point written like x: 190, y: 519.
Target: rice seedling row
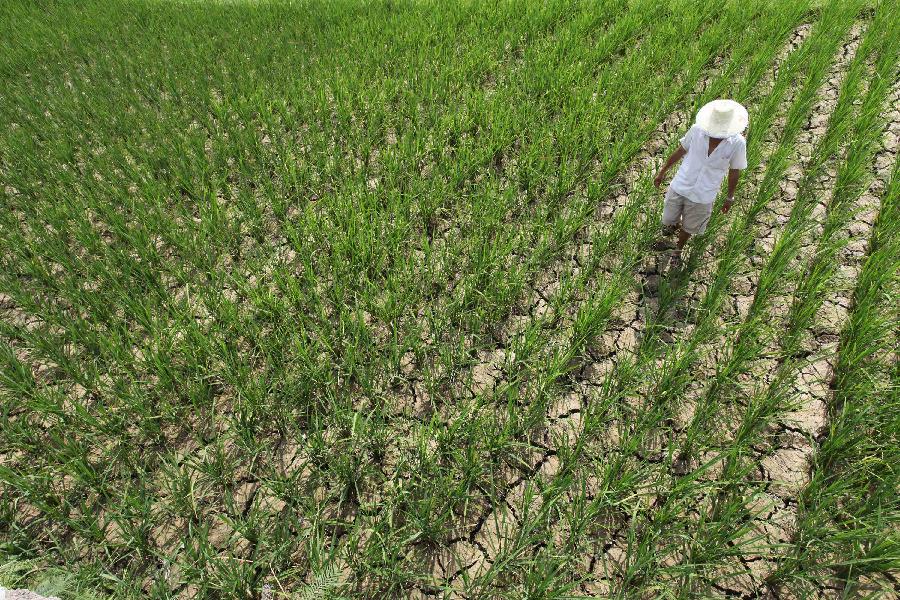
x: 858, y: 449
x: 576, y: 267
x: 817, y: 321
x: 544, y: 230
x: 357, y: 301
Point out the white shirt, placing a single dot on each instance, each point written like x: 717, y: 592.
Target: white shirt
x: 700, y: 175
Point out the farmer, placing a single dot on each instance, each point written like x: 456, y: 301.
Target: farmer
x: 713, y: 146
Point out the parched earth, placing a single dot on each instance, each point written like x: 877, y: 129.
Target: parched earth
x: 656, y: 317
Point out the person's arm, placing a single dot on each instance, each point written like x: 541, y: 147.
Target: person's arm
x: 733, y: 176
x: 676, y: 156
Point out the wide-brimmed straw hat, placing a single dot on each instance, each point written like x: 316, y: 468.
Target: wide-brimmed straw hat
x: 722, y: 118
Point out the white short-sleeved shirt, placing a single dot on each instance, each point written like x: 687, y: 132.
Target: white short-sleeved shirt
x: 700, y: 176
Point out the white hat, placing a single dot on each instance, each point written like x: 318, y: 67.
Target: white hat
x: 722, y: 118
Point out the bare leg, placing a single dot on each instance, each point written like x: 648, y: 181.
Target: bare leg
x: 683, y: 237
x: 666, y: 231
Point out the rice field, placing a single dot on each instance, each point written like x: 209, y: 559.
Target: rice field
x: 346, y: 299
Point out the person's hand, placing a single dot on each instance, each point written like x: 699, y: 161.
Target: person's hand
x: 727, y: 206
x: 657, y: 181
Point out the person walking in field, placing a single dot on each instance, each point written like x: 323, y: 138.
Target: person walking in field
x: 714, y: 146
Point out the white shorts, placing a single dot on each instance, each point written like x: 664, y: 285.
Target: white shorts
x: 692, y: 216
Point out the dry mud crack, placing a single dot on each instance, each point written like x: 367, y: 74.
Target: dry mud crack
x: 589, y: 432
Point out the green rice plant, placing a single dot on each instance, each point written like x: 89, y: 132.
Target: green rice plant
x: 620, y: 225
x: 856, y: 451
x: 557, y: 371
x: 47, y: 582
x: 252, y: 252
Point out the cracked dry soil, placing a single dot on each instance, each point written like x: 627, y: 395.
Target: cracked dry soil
x: 489, y: 529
